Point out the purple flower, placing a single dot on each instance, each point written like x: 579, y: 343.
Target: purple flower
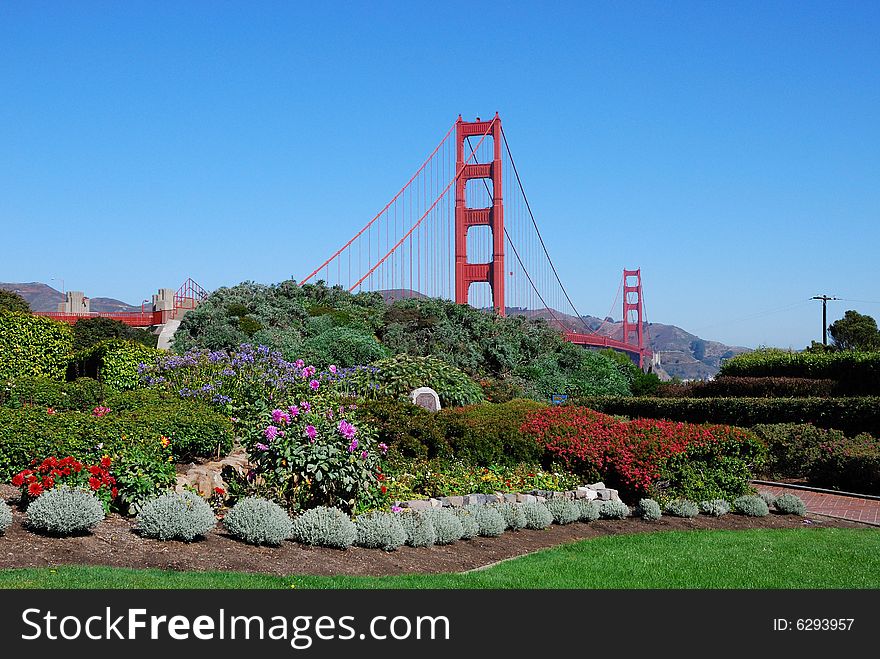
x: 396, y: 509
x: 305, y: 407
x: 311, y: 433
x: 280, y: 416
x: 314, y: 384
x: 364, y: 454
x: 294, y: 410
x: 299, y: 363
x: 271, y: 432
x: 262, y: 447
x: 333, y: 369
x: 383, y: 447
x: 353, y: 446
x: 347, y: 430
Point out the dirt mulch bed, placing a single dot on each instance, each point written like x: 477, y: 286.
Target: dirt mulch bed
x: 113, y: 543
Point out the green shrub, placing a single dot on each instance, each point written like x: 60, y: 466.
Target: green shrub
x: 325, y: 527
x: 751, y: 506
x: 139, y: 399
x: 537, y: 515
x: 749, y: 387
x: 514, y: 517
x: 855, y: 371
x: 91, y: 331
x: 407, y: 429
x: 343, y: 347
x: 469, y: 527
x: 613, y: 510
x: 399, y: 375
x: 83, y: 394
x: 258, y: 521
x: 447, y: 527
x: 419, y: 528
x: 5, y: 517
x: 563, y: 511
x: 682, y: 508
x: 379, y: 530
x: 648, y: 509
x: 792, y: 448
x: 195, y: 430
x: 488, y: 519
x: 64, y: 511
x: 849, y: 464
x: 176, y: 516
x: 789, y: 504
x: 715, y: 507
x: 114, y: 362
x: 588, y: 510
x: 33, y: 346
x: 12, y: 301
x: 850, y: 415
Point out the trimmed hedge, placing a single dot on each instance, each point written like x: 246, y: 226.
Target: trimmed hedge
x: 748, y: 387
x: 851, y: 415
x: 857, y: 372
x: 849, y: 464
x: 114, y: 362
x: 33, y: 346
x: 82, y: 394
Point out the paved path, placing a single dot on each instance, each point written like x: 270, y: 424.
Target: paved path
x: 833, y: 505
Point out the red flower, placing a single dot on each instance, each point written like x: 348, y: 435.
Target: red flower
x: 105, y: 462
x: 114, y: 493
x: 18, y: 480
x: 48, y: 482
x: 383, y: 489
x: 219, y: 491
x: 49, y: 410
x: 77, y: 467
x: 94, y: 483
x: 94, y: 470
x: 35, y: 489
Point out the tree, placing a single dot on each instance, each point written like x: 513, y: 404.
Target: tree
x: 89, y: 331
x: 10, y: 301
x: 855, y: 331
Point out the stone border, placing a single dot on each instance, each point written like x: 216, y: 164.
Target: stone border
x: 595, y: 491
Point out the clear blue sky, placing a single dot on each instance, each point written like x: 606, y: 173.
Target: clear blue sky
x: 730, y: 150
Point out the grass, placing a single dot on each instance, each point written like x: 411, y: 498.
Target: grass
x: 794, y: 558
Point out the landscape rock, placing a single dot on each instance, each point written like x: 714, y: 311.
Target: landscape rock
x: 452, y: 502
x: 586, y: 493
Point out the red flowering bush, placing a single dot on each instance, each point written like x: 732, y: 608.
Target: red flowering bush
x: 52, y: 472
x: 662, y: 459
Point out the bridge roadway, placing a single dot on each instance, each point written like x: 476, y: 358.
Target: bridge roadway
x: 596, y: 340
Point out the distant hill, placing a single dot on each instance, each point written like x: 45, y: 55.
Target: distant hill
x: 41, y: 297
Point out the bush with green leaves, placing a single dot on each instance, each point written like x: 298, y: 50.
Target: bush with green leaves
x: 751, y: 506
x: 851, y: 464
x: 514, y: 517
x: 563, y: 511
x: 83, y: 394
x: 116, y: 363
x: 5, y: 516
x: 682, y: 508
x: 447, y: 526
x: 488, y: 519
x: 326, y: 527
x: 789, y: 504
x: 342, y: 347
x: 379, y: 530
x: 613, y: 509
x: 33, y: 346
x: 715, y: 507
x: 176, y: 516
x: 469, y: 527
x: 64, y: 511
x: 537, y: 515
x: 89, y: 331
x: 588, y: 510
x: 399, y: 375
x: 648, y: 509
x: 258, y: 521
x: 419, y: 528
x: 12, y: 301
x: 768, y: 497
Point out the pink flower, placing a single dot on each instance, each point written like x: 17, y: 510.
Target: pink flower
x: 364, y: 454
x: 353, y: 446
x: 314, y: 384
x: 383, y: 447
x: 280, y: 416
x: 396, y: 509
x: 262, y: 447
x: 299, y: 363
x: 305, y: 406
x: 333, y: 369
x: 271, y: 432
x: 311, y: 433
x: 294, y: 410
x: 346, y: 429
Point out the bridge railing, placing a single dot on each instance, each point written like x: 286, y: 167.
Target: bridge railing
x: 132, y: 318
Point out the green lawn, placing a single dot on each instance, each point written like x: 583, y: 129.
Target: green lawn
x: 799, y: 558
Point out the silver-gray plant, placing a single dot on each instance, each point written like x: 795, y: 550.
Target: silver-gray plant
x: 447, y: 527
x: 419, y: 529
x: 513, y: 515
x: 489, y: 520
x: 682, y: 508
x: 751, y: 505
x: 325, y: 527
x: 5, y: 517
x: 379, y: 530
x: 64, y: 511
x: 563, y: 511
x: 789, y: 504
x: 469, y: 527
x: 537, y: 515
x: 176, y: 516
x: 613, y: 509
x: 648, y: 509
x: 258, y: 521
x: 768, y: 497
x: 715, y: 507
x: 589, y: 510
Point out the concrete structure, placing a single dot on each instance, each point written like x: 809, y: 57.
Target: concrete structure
x: 75, y: 302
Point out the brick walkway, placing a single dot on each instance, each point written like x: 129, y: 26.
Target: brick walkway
x: 833, y: 505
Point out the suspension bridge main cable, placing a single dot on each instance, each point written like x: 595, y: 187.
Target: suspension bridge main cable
x: 538, y: 231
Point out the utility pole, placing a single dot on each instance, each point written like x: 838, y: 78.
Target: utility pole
x: 824, y: 299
